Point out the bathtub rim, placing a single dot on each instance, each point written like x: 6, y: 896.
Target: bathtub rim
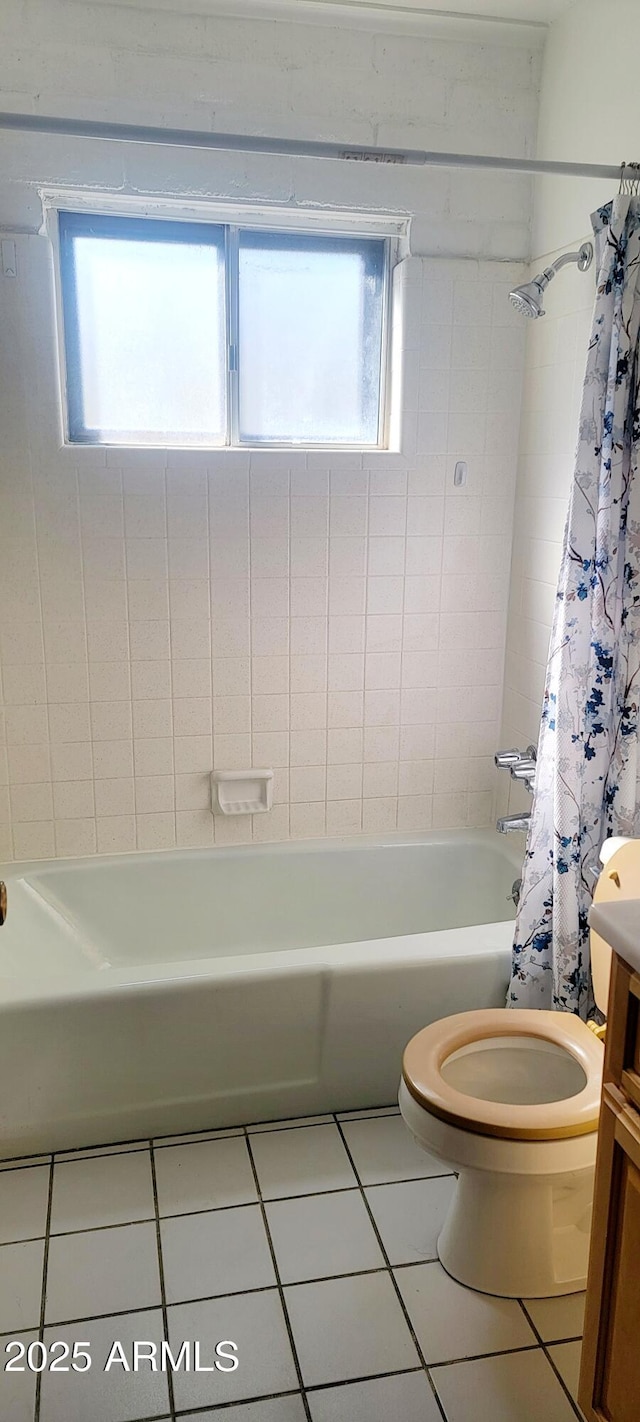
x: 371, y: 954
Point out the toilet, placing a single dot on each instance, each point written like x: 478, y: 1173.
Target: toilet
x: 510, y: 1099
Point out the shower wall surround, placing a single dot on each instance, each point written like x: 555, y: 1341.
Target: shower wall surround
x: 339, y: 617
x: 556, y: 354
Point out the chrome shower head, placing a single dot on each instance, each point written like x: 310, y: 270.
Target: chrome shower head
x: 527, y: 299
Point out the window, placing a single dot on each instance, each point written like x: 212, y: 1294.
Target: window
x: 190, y: 333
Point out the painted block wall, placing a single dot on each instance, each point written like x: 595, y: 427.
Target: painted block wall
x: 573, y: 125
x: 448, y: 85
x: 339, y: 618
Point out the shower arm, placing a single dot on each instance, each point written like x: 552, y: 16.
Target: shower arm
x: 581, y: 259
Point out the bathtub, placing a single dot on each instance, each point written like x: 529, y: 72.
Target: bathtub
x: 162, y: 993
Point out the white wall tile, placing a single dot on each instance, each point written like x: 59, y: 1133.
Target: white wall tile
x: 224, y: 609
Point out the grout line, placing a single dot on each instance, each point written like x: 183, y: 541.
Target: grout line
x: 367, y: 614
x: 210, y: 577
x: 163, y: 1296
x: 291, y: 1123
x: 391, y: 1274
x: 545, y: 1345
x: 250, y: 580
x: 46, y: 663
x: 283, y: 1302
x: 242, y: 1403
x: 43, y: 1300
x: 365, y: 1377
x: 403, y: 639
x: 241, y: 1205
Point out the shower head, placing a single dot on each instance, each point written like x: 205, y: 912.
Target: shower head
x: 527, y: 299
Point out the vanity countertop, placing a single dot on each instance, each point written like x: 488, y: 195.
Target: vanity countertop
x: 619, y: 925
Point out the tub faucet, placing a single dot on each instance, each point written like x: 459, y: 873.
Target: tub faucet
x: 513, y: 822
x: 506, y: 759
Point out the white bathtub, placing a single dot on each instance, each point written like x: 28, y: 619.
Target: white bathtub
x: 161, y: 993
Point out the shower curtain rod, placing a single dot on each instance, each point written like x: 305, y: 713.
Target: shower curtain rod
x: 292, y: 147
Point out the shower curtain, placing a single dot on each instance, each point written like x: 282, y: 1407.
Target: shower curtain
x: 586, y: 784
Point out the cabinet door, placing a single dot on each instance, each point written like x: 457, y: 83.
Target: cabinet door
x: 610, y: 1375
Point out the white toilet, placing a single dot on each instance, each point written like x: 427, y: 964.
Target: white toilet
x: 510, y: 1100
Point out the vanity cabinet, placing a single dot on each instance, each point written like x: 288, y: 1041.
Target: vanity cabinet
x: 610, y: 1371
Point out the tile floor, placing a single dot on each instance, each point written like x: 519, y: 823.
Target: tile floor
x: 310, y: 1244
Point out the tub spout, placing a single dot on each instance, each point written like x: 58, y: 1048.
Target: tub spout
x: 513, y: 822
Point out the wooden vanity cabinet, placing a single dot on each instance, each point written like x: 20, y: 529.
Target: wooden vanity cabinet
x: 609, y: 1388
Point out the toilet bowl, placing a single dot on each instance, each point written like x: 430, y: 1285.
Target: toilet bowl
x: 510, y: 1100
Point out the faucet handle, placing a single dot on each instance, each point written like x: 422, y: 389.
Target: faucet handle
x: 506, y: 758
x: 524, y: 770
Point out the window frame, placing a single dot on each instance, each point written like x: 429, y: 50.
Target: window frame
x: 76, y: 218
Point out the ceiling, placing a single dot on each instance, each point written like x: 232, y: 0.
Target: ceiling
x: 541, y: 12
x: 387, y: 13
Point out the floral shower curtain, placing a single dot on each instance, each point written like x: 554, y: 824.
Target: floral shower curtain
x: 588, y: 763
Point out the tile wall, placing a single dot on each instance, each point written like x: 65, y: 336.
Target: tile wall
x: 556, y: 354
x: 338, y: 617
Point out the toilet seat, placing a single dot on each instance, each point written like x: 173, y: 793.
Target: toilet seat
x: 428, y: 1052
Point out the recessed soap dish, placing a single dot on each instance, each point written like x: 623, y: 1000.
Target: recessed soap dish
x: 241, y: 792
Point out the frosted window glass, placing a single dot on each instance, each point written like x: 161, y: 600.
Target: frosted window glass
x: 146, y: 350
x: 310, y: 338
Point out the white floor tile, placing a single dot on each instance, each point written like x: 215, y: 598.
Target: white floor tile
x: 100, y: 1396
x: 407, y: 1397
x: 102, y: 1271
x: 303, y: 1161
x: 204, y: 1176
x: 562, y: 1317
x: 453, y: 1322
x: 255, y: 1322
x: 274, y: 1409
x: 383, y: 1151
x: 566, y: 1357
x: 17, y: 1390
x: 24, y: 1195
x: 410, y: 1217
x: 221, y: 1252
x: 120, y: 1148
x: 321, y: 1235
x: 517, y: 1387
x: 289, y: 1125
x: 23, y: 1162
x: 20, y: 1285
x: 104, y: 1190
x: 193, y: 1136
x: 368, y: 1114
x: 349, y: 1328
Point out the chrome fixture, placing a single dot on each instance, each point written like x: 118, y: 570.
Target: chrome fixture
x: 505, y: 759
x: 516, y: 890
x: 527, y: 298
x: 525, y: 771
x: 513, y: 822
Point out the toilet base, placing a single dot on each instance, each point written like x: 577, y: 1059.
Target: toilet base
x: 519, y: 1221
x: 518, y: 1237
